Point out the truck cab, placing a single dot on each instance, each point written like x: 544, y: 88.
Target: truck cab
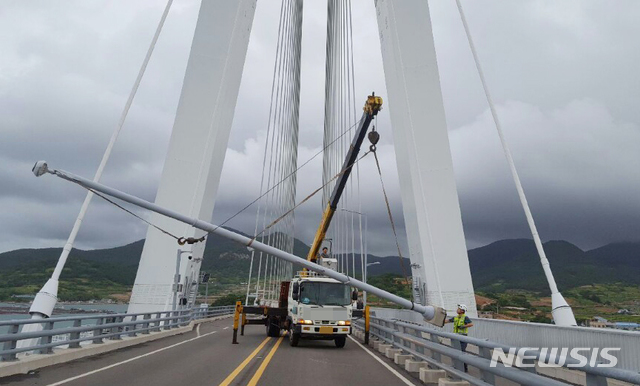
x: 318, y: 308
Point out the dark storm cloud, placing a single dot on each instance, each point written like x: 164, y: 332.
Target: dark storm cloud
x: 562, y: 73
x: 577, y: 165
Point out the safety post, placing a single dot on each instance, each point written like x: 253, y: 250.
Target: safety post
x: 366, y: 324
x: 244, y: 321
x: 236, y: 320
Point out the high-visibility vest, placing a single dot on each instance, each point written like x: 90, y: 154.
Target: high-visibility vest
x: 458, y: 325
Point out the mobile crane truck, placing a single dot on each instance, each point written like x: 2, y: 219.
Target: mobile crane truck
x: 314, y: 306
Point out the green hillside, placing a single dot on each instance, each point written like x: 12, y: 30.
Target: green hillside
x: 514, y: 264
x: 501, y: 266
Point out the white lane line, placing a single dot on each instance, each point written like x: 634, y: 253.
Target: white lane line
x: 128, y: 360
x: 393, y: 371
x: 225, y: 328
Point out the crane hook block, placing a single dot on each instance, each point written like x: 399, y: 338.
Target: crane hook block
x: 374, y: 137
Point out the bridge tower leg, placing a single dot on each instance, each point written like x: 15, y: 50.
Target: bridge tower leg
x: 198, y: 144
x: 429, y: 196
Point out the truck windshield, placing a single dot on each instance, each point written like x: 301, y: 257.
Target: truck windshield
x: 325, y: 294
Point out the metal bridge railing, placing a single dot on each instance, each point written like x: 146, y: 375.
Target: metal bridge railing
x: 426, y: 344
x: 95, y: 328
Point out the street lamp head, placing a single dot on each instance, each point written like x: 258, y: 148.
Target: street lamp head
x: 40, y: 168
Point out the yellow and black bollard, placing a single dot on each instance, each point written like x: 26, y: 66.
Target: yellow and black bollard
x: 244, y: 322
x: 366, y: 324
x: 236, y: 319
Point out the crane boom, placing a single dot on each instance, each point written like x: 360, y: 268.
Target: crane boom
x: 371, y: 108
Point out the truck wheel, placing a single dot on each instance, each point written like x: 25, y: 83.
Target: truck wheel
x: 294, y: 338
x: 273, y: 327
x: 340, y: 342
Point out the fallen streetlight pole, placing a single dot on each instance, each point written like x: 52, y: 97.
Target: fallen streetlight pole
x: 431, y: 314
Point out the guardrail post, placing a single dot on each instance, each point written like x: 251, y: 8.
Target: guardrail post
x: 158, y: 322
x: 133, y: 330
x: 435, y: 355
x: 108, y: 321
x: 116, y: 329
x: 167, y: 323
x: 383, y: 333
x: 75, y: 335
x: 236, y: 318
x: 488, y: 377
x: 417, y: 347
x: 367, y: 321
x: 11, y: 344
x: 98, y: 331
x: 395, y: 340
x: 533, y: 369
x: 403, y: 331
x: 145, y: 325
x: 48, y: 326
x: 390, y: 325
x: 457, y: 363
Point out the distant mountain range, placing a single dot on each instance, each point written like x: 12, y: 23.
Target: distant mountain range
x: 502, y: 265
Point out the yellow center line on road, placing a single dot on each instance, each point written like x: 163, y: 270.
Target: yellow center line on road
x: 265, y: 363
x: 244, y: 364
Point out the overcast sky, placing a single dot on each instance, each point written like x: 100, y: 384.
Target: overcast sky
x: 564, y: 75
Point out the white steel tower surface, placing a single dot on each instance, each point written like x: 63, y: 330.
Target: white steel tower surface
x: 198, y: 144
x: 425, y: 168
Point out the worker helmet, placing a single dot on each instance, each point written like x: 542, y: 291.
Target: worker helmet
x: 462, y: 307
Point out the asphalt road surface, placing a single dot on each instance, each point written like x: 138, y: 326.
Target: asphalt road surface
x: 206, y: 356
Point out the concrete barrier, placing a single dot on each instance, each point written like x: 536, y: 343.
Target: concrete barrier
x: 431, y: 377
x: 391, y: 352
x: 414, y: 366
x: 400, y: 358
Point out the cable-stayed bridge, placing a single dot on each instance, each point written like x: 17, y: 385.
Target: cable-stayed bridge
x: 188, y: 344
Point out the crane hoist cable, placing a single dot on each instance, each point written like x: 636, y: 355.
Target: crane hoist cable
x: 373, y: 149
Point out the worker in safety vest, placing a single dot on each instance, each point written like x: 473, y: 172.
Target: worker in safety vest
x: 461, y: 324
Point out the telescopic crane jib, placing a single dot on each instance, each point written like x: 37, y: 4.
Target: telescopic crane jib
x: 371, y: 108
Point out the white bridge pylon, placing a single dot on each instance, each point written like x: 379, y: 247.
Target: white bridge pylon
x: 191, y: 175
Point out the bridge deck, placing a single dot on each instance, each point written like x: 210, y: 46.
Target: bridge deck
x: 207, y: 357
